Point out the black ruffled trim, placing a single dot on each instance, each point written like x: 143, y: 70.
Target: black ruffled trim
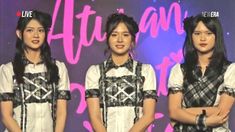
x: 92, y: 93
x: 150, y: 94
x: 64, y: 94
x: 174, y: 90
x: 228, y: 91
x: 6, y: 96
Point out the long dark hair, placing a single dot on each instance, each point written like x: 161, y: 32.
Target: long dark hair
x: 190, y: 54
x: 113, y: 21
x: 18, y: 64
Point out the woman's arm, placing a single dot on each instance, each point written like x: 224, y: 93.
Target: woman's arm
x: 175, y: 85
x: 147, y: 118
x: 61, y: 114
x: 95, y: 115
x: 92, y: 98
x: 149, y: 102
x: 198, y: 110
x: 176, y: 112
x: 7, y: 118
x: 224, y: 107
x: 226, y: 103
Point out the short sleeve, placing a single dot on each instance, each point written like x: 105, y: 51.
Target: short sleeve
x: 6, y: 82
x: 64, y: 83
x: 229, y: 81
x: 92, y: 82
x: 175, y: 81
x: 150, y: 83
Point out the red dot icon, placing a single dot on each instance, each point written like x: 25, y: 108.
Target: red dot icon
x: 18, y: 13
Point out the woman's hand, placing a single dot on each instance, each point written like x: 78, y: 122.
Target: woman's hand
x: 217, y: 119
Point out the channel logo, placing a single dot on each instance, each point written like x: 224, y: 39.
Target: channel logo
x: 24, y: 13
x: 210, y: 14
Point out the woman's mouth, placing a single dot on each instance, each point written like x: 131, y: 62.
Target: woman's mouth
x: 35, y: 41
x: 119, y: 46
x: 203, y: 44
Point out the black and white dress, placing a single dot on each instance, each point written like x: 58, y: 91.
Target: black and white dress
x: 34, y: 102
x: 121, y: 90
x: 204, y: 92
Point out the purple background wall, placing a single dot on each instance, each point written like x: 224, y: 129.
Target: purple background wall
x: 77, y: 38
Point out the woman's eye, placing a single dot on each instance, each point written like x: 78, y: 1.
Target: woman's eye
x: 41, y: 30
x: 126, y: 34
x: 209, y: 33
x: 113, y: 35
x: 29, y: 30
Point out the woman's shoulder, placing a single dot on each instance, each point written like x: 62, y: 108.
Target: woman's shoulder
x: 232, y: 64
x: 93, y: 68
x: 7, y: 69
x: 177, y: 67
x: 146, y: 68
x: 231, y: 67
x: 229, y: 76
x: 59, y: 63
x: 7, y: 66
x: 144, y: 65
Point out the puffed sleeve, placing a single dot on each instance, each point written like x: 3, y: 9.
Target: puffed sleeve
x: 175, y: 81
x: 64, y: 83
x: 92, y: 82
x: 150, y: 83
x: 6, y: 82
x: 229, y: 81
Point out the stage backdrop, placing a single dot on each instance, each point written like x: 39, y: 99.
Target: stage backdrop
x: 77, y: 38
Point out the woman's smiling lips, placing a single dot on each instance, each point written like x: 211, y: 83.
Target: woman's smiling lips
x: 35, y: 41
x: 119, y: 46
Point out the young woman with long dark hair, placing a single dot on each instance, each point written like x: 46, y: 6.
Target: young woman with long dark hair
x: 34, y: 87
x: 202, y: 88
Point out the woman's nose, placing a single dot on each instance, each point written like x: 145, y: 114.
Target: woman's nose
x: 120, y: 39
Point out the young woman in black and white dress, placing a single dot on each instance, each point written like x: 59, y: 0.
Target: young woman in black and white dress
x: 202, y: 89
x: 34, y: 87
x: 121, y: 92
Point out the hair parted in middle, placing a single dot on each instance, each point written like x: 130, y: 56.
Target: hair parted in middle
x: 218, y: 57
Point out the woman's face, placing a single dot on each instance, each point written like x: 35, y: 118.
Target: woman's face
x: 33, y: 35
x: 203, y: 39
x: 120, y: 40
